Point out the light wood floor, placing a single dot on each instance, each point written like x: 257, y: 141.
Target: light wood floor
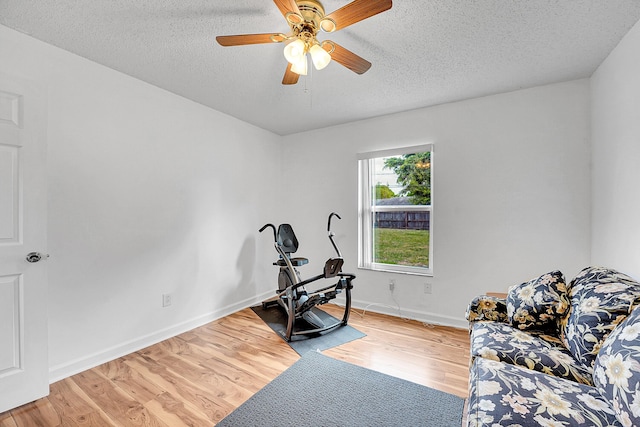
x: 197, y: 378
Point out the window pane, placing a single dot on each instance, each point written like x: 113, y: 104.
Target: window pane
x: 406, y: 179
x: 401, y: 247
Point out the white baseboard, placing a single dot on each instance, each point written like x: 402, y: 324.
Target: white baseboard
x: 62, y: 371
x: 420, y: 316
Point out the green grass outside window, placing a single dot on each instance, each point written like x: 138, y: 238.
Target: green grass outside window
x: 401, y: 247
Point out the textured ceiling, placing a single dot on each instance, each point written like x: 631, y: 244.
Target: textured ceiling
x: 423, y: 52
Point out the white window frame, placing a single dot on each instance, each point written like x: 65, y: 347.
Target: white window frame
x: 367, y: 210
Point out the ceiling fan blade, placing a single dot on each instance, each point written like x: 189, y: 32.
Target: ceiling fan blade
x: 347, y: 58
x: 245, y: 39
x: 287, y: 6
x: 358, y: 10
x: 290, y: 78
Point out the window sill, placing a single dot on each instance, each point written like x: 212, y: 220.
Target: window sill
x: 411, y: 271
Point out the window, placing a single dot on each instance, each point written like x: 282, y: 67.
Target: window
x: 395, y: 210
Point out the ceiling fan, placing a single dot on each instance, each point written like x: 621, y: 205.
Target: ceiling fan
x: 306, y: 18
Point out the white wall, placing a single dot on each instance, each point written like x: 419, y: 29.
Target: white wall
x: 149, y: 193
x: 615, y: 129
x: 511, y: 194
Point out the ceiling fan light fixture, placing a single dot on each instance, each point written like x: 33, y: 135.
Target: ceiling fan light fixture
x: 319, y: 56
x: 295, y: 50
x: 300, y: 66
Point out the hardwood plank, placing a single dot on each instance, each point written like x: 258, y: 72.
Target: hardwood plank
x: 6, y: 420
x: 200, y: 376
x: 74, y: 407
x: 38, y: 413
x: 120, y: 408
x: 130, y: 380
x: 175, y: 413
x: 210, y: 403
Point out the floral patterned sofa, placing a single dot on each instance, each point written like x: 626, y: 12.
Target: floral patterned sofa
x: 557, y: 354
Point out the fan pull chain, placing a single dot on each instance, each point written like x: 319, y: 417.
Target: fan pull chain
x: 307, y: 90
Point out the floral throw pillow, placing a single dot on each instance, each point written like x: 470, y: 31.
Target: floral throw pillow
x: 601, y: 298
x: 538, y: 303
x: 616, y: 371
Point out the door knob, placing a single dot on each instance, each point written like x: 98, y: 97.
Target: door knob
x: 35, y: 256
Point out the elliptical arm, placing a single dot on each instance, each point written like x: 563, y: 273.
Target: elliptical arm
x: 331, y: 233
x: 293, y: 276
x: 275, y: 237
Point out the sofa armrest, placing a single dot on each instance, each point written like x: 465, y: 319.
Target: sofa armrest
x: 487, y: 308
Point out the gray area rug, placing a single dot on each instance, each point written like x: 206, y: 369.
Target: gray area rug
x: 320, y: 391
x: 302, y: 344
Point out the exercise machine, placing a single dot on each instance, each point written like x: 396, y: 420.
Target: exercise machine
x: 292, y: 295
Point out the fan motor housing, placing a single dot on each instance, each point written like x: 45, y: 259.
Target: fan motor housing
x: 312, y: 11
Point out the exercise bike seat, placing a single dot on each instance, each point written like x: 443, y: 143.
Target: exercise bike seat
x: 289, y: 243
x: 296, y: 262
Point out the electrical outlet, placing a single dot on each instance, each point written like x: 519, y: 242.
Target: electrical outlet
x: 166, y: 300
x: 392, y: 284
x: 427, y: 288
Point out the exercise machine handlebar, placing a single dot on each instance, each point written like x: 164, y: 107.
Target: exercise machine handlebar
x: 275, y: 236
x: 331, y: 215
x: 331, y: 233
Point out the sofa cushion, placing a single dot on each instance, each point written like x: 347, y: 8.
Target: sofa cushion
x: 538, y: 303
x: 532, y: 349
x: 617, y: 370
x: 600, y: 299
x: 507, y: 395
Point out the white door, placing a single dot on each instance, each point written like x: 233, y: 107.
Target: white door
x: 24, y: 375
